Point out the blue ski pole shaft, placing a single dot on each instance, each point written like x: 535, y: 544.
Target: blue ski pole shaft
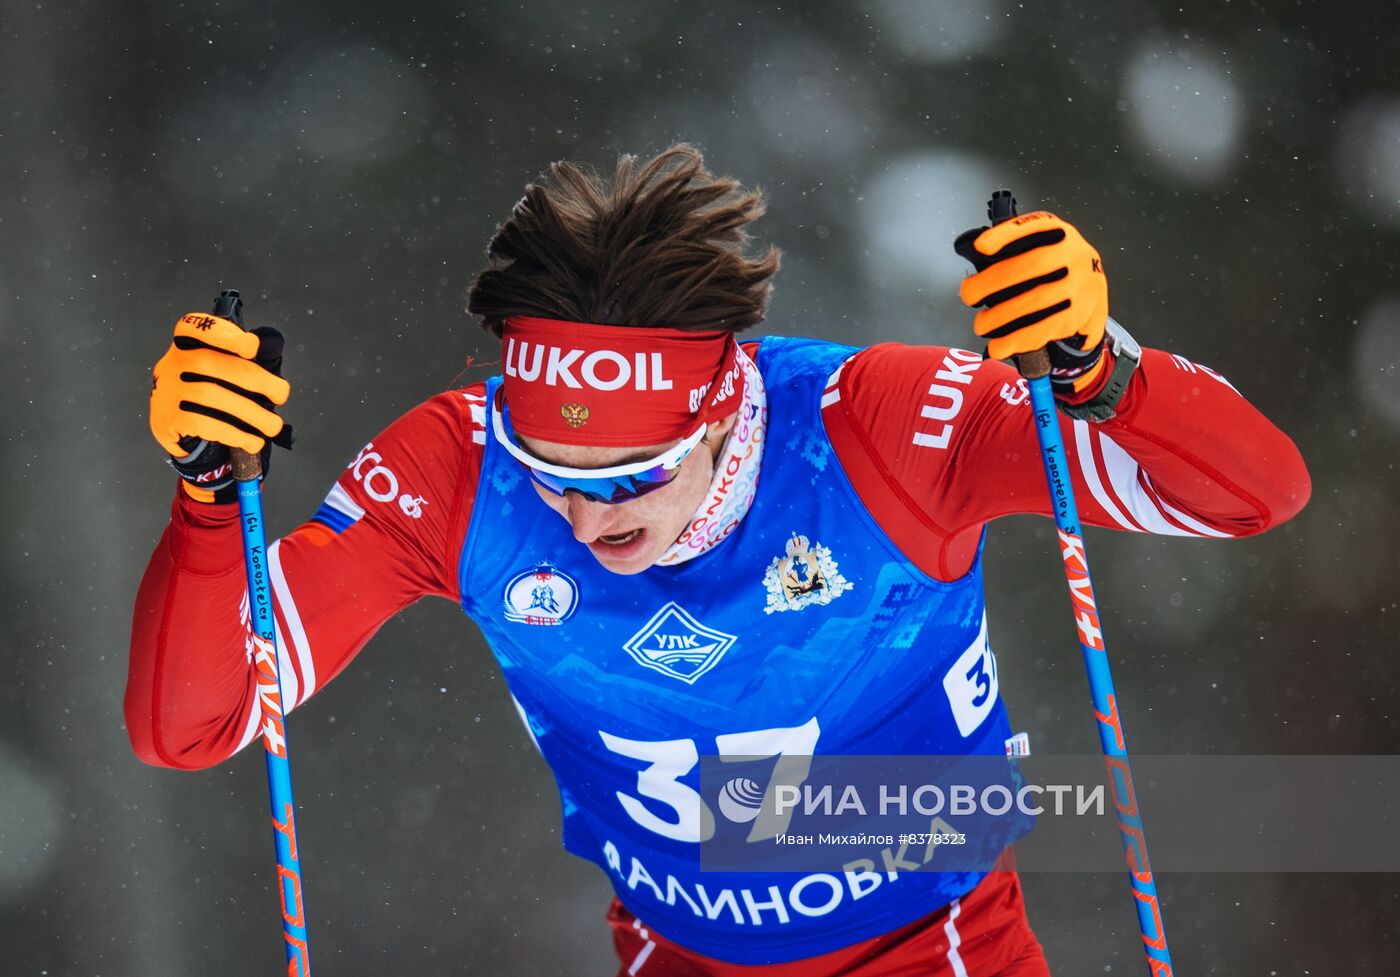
x: 247, y: 472
x: 1035, y: 367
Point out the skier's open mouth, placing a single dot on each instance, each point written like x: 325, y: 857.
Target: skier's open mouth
x: 619, y: 548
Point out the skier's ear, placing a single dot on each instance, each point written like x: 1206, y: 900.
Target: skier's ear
x: 717, y: 431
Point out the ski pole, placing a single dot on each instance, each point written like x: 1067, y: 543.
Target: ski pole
x: 1035, y: 367
x: 247, y: 472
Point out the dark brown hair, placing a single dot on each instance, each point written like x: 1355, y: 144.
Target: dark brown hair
x: 661, y: 245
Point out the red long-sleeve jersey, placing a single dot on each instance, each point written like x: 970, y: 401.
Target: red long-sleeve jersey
x: 936, y: 441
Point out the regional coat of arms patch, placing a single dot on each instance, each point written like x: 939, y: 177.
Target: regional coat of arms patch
x: 806, y: 574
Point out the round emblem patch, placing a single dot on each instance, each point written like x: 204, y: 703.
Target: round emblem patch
x: 543, y: 595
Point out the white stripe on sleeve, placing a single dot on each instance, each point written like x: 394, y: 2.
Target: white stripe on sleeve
x: 950, y: 930
x: 1190, y: 522
x: 478, y: 419
x: 1127, y: 479
x: 645, y: 952
x: 291, y: 695
x: 339, y: 500
x: 1090, y: 471
x: 835, y: 378
x: 286, y: 674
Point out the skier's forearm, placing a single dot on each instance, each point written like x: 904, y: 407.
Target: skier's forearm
x: 189, y: 685
x: 1207, y: 450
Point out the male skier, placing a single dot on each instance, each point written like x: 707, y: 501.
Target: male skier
x: 783, y: 543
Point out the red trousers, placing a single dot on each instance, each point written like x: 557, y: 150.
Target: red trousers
x: 983, y: 934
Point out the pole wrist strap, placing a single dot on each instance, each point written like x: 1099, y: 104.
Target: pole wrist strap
x: 1127, y: 354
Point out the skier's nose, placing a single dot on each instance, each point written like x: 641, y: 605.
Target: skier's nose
x: 587, y: 518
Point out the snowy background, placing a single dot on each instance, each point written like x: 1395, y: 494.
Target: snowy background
x: 1237, y: 164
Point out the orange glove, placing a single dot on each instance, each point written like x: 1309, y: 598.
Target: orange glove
x: 213, y: 389
x: 1041, y: 284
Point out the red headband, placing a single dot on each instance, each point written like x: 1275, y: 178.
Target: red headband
x: 582, y: 383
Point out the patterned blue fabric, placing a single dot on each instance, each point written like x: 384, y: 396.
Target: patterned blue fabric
x: 806, y: 629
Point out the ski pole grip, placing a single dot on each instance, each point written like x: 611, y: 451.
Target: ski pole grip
x: 246, y: 467
x: 1031, y: 365
x: 1035, y: 364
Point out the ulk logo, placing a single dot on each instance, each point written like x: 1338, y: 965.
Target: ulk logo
x: 675, y: 644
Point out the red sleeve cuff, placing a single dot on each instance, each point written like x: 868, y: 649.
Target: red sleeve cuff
x: 204, y: 536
